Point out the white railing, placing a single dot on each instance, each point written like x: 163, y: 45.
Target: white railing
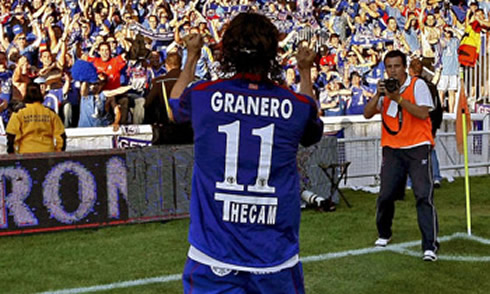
x: 361, y: 146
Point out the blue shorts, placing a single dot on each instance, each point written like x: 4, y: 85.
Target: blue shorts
x: 199, y: 278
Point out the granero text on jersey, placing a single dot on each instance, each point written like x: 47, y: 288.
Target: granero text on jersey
x: 249, y: 105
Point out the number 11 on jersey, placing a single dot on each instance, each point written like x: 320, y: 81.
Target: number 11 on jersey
x: 266, y: 135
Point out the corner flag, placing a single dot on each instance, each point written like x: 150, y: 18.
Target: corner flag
x: 462, y: 105
x: 463, y: 126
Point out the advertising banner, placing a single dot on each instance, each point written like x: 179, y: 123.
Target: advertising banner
x: 59, y: 191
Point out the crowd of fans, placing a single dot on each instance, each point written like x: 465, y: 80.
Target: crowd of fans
x: 128, y: 42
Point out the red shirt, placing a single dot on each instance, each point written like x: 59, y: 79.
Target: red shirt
x: 111, y: 68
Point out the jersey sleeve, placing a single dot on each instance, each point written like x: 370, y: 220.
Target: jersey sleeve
x: 422, y: 94
x: 13, y: 126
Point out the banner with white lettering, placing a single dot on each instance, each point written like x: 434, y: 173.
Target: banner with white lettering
x: 482, y: 108
x: 128, y: 142
x: 59, y: 191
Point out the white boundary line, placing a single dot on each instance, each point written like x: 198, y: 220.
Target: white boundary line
x: 399, y: 248
x: 126, y: 284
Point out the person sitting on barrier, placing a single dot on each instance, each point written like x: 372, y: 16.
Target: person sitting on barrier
x: 35, y: 128
x: 245, y: 202
x: 95, y: 103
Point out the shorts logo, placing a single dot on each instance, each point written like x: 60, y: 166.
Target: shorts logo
x: 219, y: 271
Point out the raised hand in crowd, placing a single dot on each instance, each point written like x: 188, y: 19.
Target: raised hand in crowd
x: 194, y: 43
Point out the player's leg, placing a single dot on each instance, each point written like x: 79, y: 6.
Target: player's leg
x: 442, y: 87
x: 287, y: 281
x: 452, y: 88
x: 199, y: 278
x: 420, y: 170
x: 393, y: 180
x: 138, y: 110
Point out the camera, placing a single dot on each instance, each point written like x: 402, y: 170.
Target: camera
x: 313, y: 200
x: 391, y: 85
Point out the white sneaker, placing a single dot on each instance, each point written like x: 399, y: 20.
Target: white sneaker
x: 429, y: 255
x: 381, y: 242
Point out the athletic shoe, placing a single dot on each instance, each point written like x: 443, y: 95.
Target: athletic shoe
x: 429, y: 255
x: 381, y: 242
x: 437, y: 184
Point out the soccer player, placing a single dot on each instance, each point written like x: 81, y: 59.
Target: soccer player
x: 245, y: 203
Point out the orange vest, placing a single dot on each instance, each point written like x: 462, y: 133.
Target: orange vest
x: 413, y: 131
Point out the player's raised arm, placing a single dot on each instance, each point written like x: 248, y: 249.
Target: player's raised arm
x: 194, y: 43
x: 305, y: 58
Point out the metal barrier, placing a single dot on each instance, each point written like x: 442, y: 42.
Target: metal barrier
x: 361, y: 146
x: 365, y: 157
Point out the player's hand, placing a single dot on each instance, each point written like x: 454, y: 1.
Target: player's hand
x: 305, y: 57
x: 194, y: 43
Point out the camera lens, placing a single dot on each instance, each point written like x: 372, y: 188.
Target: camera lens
x: 391, y: 85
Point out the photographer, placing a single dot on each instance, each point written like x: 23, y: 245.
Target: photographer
x: 404, y: 103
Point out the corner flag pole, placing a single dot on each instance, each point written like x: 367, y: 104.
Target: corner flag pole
x: 466, y: 173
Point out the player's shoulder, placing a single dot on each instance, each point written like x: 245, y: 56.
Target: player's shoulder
x: 297, y: 96
x: 202, y: 85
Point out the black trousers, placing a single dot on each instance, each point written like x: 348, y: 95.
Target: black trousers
x: 397, y: 163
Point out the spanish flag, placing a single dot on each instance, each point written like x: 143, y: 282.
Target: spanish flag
x: 470, y: 44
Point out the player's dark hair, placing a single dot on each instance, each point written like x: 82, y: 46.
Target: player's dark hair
x: 33, y: 93
x: 396, y: 53
x: 250, y: 45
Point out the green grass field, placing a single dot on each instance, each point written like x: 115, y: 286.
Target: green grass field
x: 75, y: 259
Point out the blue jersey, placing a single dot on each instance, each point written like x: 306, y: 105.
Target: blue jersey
x: 245, y: 204
x: 357, y: 102
x: 92, y: 113
x: 53, y: 98
x: 6, y: 85
x: 5, y: 93
x: 374, y: 75
x: 339, y: 108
